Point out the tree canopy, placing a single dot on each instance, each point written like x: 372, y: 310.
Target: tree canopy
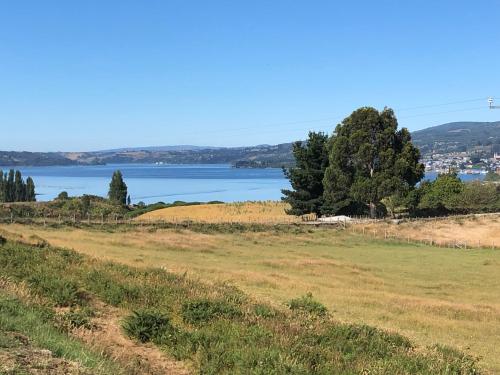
x: 369, y: 160
x: 306, y: 177
x: 117, y: 189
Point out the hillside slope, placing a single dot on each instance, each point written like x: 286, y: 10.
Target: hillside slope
x: 459, y: 136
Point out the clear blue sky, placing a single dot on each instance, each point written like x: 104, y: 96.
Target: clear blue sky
x: 86, y: 75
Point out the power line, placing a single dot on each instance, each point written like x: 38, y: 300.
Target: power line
x: 442, y: 104
x: 443, y: 112
x: 274, y: 127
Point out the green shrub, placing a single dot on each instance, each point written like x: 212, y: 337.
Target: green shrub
x: 76, y: 318
x: 111, y: 291
x: 147, y: 325
x: 62, y: 292
x: 308, y: 304
x: 204, y: 310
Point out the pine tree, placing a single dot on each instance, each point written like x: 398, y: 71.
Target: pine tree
x: 117, y: 189
x: 30, y: 190
x: 306, y: 178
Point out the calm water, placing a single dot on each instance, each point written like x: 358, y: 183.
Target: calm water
x: 152, y: 183
x: 167, y: 183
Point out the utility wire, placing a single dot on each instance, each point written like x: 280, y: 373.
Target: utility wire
x: 332, y: 120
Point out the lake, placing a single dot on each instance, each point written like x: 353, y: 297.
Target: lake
x: 152, y: 183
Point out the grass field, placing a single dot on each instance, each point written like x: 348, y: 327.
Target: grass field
x: 431, y: 295
x: 88, y: 316
x: 246, y: 212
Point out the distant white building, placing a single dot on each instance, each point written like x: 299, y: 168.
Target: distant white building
x: 496, y: 156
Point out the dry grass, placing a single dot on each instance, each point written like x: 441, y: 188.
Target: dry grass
x: 429, y: 294
x: 480, y: 231
x: 246, y: 212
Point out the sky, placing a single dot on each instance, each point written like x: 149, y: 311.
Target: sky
x: 89, y: 75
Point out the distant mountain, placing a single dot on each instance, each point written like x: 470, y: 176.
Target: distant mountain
x: 459, y: 136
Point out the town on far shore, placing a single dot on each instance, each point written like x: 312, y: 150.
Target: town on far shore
x: 462, y: 162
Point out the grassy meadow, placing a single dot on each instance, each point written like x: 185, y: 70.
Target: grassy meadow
x: 102, y: 317
x: 430, y: 295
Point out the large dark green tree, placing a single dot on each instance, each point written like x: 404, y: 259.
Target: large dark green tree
x: 117, y: 189
x: 369, y: 160
x: 306, y: 178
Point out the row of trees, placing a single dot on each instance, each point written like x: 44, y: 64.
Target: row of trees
x: 365, y: 162
x: 13, y: 188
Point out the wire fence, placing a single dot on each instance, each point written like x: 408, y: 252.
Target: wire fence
x: 360, y: 225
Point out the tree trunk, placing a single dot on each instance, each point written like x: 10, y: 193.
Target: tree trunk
x: 373, y: 210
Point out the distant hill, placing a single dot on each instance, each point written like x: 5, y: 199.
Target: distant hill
x: 163, y: 148
x: 482, y: 137
x: 24, y: 158
x: 459, y: 136
x: 254, y: 156
x: 264, y: 155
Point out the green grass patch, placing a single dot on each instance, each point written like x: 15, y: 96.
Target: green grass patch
x: 37, y: 323
x: 205, y: 310
x: 308, y: 305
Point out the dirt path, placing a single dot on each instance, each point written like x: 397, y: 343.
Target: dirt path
x: 106, y: 335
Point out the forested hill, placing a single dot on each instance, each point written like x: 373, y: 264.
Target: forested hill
x: 256, y: 156
x: 459, y: 136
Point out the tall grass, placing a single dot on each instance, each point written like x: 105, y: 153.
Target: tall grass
x: 222, y: 331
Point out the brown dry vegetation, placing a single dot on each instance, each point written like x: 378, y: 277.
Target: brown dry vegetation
x: 429, y: 294
x: 474, y: 231
x: 107, y: 335
x: 246, y: 212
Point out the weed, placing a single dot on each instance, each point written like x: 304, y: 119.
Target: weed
x: 77, y: 318
x: 204, y: 310
x: 309, y: 305
x: 147, y: 325
x: 264, y: 311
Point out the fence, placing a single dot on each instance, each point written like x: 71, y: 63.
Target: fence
x: 387, y: 235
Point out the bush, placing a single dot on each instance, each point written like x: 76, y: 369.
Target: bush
x: 204, y: 310
x: 147, y: 325
x: 62, y: 292
x: 309, y: 305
